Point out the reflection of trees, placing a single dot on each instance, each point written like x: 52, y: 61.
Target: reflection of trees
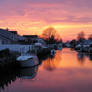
x: 81, y: 57
x: 52, y: 63
x: 90, y: 57
x: 49, y: 64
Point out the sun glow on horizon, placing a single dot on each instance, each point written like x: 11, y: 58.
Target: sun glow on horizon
x: 33, y: 16
x: 66, y: 31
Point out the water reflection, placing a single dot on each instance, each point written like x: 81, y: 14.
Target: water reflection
x: 83, y: 56
x: 9, y: 76
x: 90, y: 57
x: 66, y: 74
x: 52, y: 62
x: 28, y: 73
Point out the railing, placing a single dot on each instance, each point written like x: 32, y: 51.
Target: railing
x: 18, y: 48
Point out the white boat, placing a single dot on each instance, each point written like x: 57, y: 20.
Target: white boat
x: 53, y: 52
x: 28, y: 60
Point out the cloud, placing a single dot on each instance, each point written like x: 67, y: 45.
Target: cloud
x: 36, y: 14
x: 47, y: 10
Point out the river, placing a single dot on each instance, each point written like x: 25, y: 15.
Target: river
x: 67, y: 71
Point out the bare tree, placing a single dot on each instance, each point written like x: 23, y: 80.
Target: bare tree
x: 81, y: 36
x: 90, y: 37
x: 49, y: 33
x: 51, y: 36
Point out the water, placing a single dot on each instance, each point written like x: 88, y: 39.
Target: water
x: 68, y: 71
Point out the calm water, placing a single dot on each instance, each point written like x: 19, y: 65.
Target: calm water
x: 68, y: 71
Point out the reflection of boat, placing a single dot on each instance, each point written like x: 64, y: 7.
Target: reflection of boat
x: 28, y: 73
x: 28, y: 60
x: 7, y: 76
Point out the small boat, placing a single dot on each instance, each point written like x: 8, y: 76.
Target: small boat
x: 53, y: 52
x: 28, y: 60
x: 59, y: 46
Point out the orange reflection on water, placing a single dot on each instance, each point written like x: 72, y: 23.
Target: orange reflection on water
x: 51, y: 64
x: 66, y: 59
x: 72, y: 73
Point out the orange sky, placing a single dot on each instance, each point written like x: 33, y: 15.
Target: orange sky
x: 32, y: 17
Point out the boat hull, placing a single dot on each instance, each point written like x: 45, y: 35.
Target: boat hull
x: 29, y: 63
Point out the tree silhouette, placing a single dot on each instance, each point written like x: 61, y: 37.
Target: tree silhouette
x: 81, y: 36
x: 49, y: 33
x: 51, y: 36
x: 90, y: 37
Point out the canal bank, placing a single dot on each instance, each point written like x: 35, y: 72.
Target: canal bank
x: 8, y: 60
x: 10, y: 53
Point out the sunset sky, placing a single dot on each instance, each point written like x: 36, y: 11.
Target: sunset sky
x: 68, y: 17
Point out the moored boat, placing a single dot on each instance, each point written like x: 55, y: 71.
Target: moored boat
x: 53, y: 52
x: 28, y: 60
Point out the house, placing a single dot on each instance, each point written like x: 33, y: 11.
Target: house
x: 8, y: 37
x: 40, y: 40
x: 31, y: 38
